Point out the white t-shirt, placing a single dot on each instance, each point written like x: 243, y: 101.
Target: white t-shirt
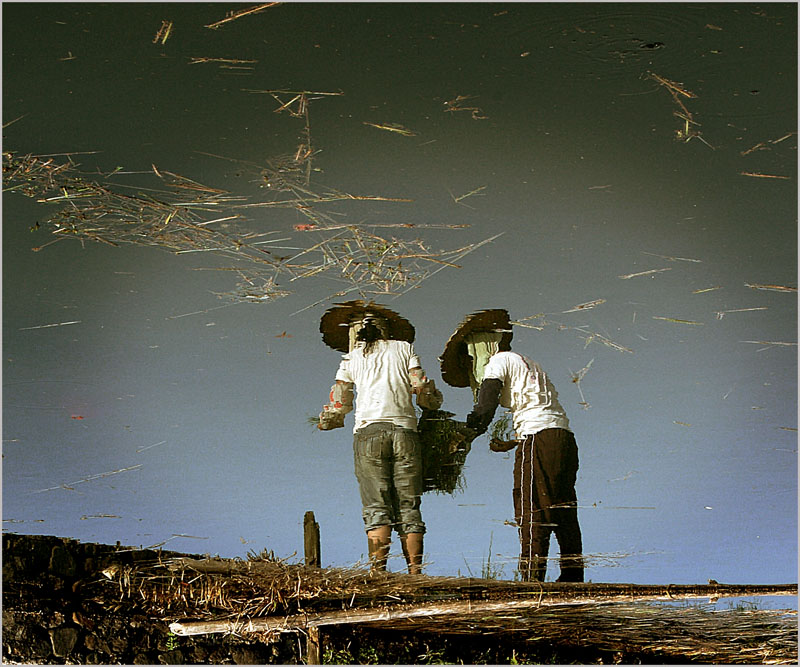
x: 382, y: 382
x: 528, y: 392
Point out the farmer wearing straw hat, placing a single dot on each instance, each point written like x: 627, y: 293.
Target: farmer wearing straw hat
x: 381, y: 364
x: 478, y: 355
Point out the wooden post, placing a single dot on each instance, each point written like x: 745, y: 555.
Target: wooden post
x: 313, y: 646
x: 311, y: 541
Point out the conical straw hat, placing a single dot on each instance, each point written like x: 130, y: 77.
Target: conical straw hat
x: 335, y: 323
x: 455, y: 362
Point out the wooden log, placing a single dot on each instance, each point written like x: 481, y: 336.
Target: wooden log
x: 311, y: 541
x: 603, y: 594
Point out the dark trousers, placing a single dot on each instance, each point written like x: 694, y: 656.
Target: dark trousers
x: 545, y: 469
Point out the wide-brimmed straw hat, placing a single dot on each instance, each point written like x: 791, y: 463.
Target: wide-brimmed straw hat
x: 455, y: 362
x: 335, y: 323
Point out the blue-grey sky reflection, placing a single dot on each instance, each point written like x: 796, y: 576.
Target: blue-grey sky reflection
x: 167, y: 414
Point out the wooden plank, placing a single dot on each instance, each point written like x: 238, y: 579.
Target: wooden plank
x: 604, y: 593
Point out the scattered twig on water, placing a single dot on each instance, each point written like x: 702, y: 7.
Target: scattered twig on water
x: 256, y: 288
x: 677, y: 91
x: 721, y: 313
x: 196, y: 312
x: 455, y: 105
x: 393, y: 127
x: 591, y: 337
x: 345, y: 195
x: 11, y: 122
x: 471, y: 193
x: 298, y: 107
x: 70, y: 486
x: 677, y: 321
x: 458, y: 254
x: 769, y: 342
x: 674, y: 87
x: 282, y: 91
x: 233, y: 15
x: 372, y: 225
x: 142, y: 449
x: 577, y: 378
x: 754, y: 174
x: 585, y: 306
x: 228, y: 61
x: 689, y: 131
x: 673, y: 259
x: 48, y: 326
x: 163, y: 32
x: 643, y: 273
x: 624, y: 477
x: 238, y: 68
x: 762, y: 146
x: 783, y: 138
x: 587, y: 336
x: 774, y: 288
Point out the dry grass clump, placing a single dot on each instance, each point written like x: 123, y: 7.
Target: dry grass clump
x: 262, y: 585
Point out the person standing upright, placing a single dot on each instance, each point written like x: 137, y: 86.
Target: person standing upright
x: 381, y: 364
x: 479, y: 355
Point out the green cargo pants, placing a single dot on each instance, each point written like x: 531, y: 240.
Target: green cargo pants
x: 388, y: 466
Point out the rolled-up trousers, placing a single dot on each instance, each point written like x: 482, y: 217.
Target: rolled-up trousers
x: 545, y: 469
x: 388, y: 466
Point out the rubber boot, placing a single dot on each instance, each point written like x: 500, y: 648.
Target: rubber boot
x: 412, y: 550
x: 378, y: 544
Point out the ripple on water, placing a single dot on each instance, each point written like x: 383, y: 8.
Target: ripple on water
x: 618, y: 42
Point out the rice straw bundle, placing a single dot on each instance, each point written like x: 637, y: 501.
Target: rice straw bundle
x: 445, y: 445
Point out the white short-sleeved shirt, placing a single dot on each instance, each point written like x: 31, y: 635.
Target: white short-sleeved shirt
x: 382, y: 382
x: 528, y: 392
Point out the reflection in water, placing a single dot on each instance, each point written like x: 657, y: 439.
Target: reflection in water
x: 576, y: 137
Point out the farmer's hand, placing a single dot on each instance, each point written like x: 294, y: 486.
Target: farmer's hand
x: 502, y: 445
x: 476, y: 423
x: 330, y: 420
